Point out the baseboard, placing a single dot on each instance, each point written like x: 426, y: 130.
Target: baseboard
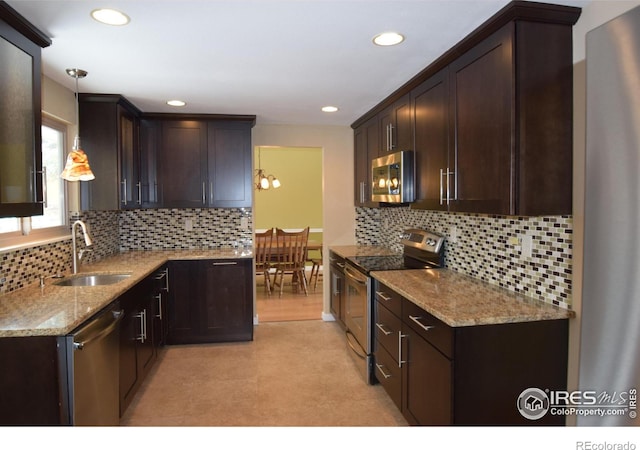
x: 327, y: 317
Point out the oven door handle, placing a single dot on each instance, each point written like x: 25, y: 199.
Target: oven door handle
x: 355, y: 276
x: 355, y: 348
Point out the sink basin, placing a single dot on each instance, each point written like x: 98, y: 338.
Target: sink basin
x: 93, y: 279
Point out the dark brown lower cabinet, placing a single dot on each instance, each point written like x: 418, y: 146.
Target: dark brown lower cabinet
x: 473, y: 375
x: 210, y: 301
x: 137, y: 346
x: 32, y: 386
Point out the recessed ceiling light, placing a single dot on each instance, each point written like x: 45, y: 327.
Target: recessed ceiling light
x: 110, y: 16
x: 388, y: 38
x: 329, y: 108
x: 175, y: 103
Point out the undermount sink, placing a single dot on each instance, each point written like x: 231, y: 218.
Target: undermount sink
x: 93, y: 279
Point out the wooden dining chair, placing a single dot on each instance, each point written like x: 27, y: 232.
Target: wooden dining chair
x: 316, y: 266
x: 291, y: 248
x: 264, y: 264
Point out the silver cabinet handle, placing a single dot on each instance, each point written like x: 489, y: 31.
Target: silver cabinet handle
x: 441, y: 188
x: 159, y: 298
x: 390, y: 145
x: 382, y: 328
x: 45, y: 196
x: 334, y: 284
x: 163, y: 274
x: 362, y: 193
x: 226, y: 263
x: 380, y: 368
x: 124, y: 192
x: 416, y: 319
x: 204, y: 193
x: 142, y: 315
x: 380, y: 294
x: 341, y: 265
x: 139, y: 184
x: 448, y: 186
x: 400, y: 337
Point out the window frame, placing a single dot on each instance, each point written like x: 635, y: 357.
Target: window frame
x: 17, y: 239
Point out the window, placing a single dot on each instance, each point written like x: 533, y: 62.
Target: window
x: 16, y: 231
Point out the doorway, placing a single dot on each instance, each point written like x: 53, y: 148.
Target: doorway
x: 296, y: 204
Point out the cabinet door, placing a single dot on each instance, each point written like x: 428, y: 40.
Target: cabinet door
x: 184, y: 306
x: 227, y: 300
x: 128, y: 350
x: 229, y: 165
x: 395, y: 126
x: 430, y: 104
x: 130, y: 191
x: 366, y: 139
x: 21, y: 191
x: 182, y: 163
x: 150, y: 135
x: 483, y: 133
x: 427, y: 382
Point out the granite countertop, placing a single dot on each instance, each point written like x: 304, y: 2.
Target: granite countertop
x: 460, y: 300
x: 57, y: 310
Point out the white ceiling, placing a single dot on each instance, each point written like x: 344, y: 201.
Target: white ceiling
x: 279, y: 60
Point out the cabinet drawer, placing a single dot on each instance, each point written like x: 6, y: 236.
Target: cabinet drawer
x: 389, y: 298
x: 388, y: 374
x: 438, y: 333
x: 386, y: 328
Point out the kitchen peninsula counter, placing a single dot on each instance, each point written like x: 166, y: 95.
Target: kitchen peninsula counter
x: 460, y: 300
x: 57, y: 310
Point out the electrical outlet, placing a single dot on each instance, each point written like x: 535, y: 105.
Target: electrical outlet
x: 527, y: 245
x: 188, y: 225
x: 244, y: 223
x: 453, y: 234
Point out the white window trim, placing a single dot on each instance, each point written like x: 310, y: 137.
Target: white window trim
x: 16, y: 240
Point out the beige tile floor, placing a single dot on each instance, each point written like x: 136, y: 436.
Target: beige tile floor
x: 294, y: 373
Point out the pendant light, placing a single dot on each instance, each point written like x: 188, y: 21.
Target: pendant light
x: 263, y: 181
x: 77, y: 167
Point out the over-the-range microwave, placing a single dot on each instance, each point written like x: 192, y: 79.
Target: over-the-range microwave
x: 393, y: 178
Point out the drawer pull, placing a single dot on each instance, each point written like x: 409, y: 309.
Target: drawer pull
x: 382, y: 328
x: 416, y: 319
x: 400, y: 338
x: 380, y: 368
x: 381, y: 295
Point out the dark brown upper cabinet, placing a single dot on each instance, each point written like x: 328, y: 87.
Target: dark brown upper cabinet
x: 366, y: 148
x: 205, y: 162
x: 108, y: 129
x: 395, y: 127
x: 492, y: 117
x: 21, y: 171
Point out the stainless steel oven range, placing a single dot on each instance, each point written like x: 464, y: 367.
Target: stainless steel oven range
x: 421, y: 250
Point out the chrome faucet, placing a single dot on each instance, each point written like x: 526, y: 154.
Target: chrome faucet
x: 87, y: 241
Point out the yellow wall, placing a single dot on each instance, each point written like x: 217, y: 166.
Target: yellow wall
x: 298, y: 202
x: 337, y: 162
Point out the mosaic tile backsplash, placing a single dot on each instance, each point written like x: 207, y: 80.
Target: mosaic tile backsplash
x: 115, y: 231
x: 487, y: 247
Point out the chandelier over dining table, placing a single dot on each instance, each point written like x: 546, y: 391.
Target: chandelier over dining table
x: 262, y: 181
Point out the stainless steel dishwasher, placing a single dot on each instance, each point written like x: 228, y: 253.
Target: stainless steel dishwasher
x: 93, y: 370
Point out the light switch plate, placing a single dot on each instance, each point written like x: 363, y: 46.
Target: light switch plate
x: 527, y: 245
x: 188, y: 225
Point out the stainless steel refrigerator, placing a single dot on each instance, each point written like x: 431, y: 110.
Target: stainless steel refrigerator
x: 610, y: 334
